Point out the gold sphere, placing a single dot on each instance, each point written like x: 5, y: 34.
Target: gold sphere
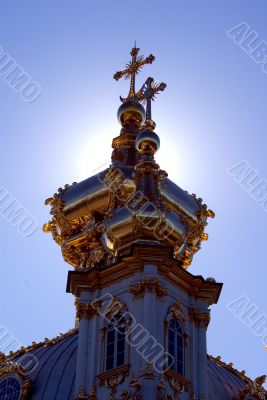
x: 131, y: 113
x: 147, y: 142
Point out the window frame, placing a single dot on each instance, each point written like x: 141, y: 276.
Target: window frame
x: 106, y: 330
x: 176, y: 334
x: 180, y: 318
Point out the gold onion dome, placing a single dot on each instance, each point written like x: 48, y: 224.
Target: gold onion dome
x: 132, y: 202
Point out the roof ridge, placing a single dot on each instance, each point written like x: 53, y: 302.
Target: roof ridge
x: 229, y: 366
x: 45, y: 343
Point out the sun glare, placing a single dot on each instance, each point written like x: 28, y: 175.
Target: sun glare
x: 95, y: 154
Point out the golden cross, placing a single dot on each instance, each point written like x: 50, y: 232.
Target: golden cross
x: 132, y: 68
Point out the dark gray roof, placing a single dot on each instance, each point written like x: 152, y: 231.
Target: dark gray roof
x: 223, y: 382
x: 54, y: 375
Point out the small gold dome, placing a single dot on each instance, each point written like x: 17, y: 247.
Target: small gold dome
x: 130, y: 112
x: 147, y: 142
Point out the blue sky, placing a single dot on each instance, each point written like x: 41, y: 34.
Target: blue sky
x: 211, y: 117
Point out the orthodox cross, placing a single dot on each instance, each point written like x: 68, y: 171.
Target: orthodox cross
x: 132, y: 68
x: 148, y: 94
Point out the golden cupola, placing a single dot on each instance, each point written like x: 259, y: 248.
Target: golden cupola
x: 132, y: 202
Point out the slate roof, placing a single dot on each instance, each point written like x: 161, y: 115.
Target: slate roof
x: 54, y: 376
x: 223, y: 382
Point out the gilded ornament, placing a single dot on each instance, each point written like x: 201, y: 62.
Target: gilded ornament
x: 148, y: 372
x: 87, y: 311
x: 132, y: 68
x: 177, y: 311
x: 150, y: 285
x: 254, y: 388
x: 83, y: 396
x: 98, y: 220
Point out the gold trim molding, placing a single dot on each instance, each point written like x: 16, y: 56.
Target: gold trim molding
x: 194, y: 286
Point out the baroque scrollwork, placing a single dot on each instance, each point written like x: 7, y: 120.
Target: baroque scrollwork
x: 79, y: 238
x: 254, y: 388
x: 148, y: 372
x: 151, y: 285
x: 90, y: 310
x: 113, y: 378
x: 134, y: 387
x: 177, y: 311
x: 87, y: 311
x: 133, y: 391
x: 192, y: 244
x: 83, y: 396
x: 163, y: 392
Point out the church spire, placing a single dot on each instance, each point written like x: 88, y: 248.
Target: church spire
x: 132, y: 202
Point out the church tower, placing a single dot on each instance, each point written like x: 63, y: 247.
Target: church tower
x: 131, y: 233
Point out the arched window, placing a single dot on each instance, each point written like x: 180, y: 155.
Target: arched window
x: 176, y: 346
x: 10, y: 388
x: 115, y: 343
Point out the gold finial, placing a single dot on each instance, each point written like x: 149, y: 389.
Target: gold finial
x: 132, y: 68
